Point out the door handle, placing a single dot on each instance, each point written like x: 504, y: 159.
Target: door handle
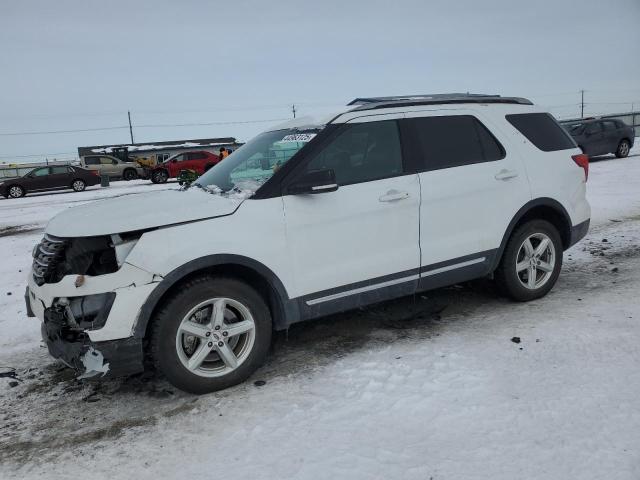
x: 505, y: 174
x: 393, y: 196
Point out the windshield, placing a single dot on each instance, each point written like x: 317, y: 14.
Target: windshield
x: 246, y: 169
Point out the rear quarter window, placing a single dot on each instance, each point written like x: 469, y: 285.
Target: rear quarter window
x: 542, y: 130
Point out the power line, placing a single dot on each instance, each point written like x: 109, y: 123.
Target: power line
x: 157, y: 125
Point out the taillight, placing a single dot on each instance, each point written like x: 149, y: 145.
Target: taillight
x: 582, y: 160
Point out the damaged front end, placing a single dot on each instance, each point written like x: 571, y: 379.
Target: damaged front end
x: 87, y: 296
x: 115, y: 358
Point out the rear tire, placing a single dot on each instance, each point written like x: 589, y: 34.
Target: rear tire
x: 192, y: 336
x: 78, y: 185
x: 129, y: 174
x: 623, y: 149
x: 531, y: 261
x: 16, y: 191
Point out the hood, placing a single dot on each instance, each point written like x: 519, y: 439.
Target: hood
x: 140, y: 211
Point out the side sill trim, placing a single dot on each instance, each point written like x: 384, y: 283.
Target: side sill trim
x: 368, y: 288
x: 452, y: 267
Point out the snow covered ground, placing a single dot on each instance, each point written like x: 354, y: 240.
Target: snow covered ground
x: 427, y: 387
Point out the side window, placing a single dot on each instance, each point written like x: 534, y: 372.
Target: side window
x: 593, y: 128
x: 179, y: 158
x: 362, y: 153
x: 609, y: 126
x: 453, y: 141
x: 105, y: 161
x: 91, y: 160
x: 55, y: 170
x: 542, y: 130
x: 197, y: 155
x: 41, y: 172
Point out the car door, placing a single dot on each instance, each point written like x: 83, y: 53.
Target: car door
x: 38, y: 179
x: 60, y: 177
x: 471, y: 188
x: 359, y: 243
x: 593, y: 142
x: 176, y: 164
x: 611, y: 135
x: 109, y: 166
x: 92, y: 163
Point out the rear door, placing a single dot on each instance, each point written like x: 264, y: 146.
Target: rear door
x: 471, y: 188
x: 92, y: 163
x: 611, y: 135
x: 108, y: 166
x: 60, y: 177
x: 359, y: 243
x: 593, y: 141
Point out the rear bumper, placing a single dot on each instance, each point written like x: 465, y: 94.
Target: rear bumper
x: 579, y: 231
x: 115, y: 358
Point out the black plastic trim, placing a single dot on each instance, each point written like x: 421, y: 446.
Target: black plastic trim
x: 286, y: 311
x: 579, y: 231
x: 538, y: 202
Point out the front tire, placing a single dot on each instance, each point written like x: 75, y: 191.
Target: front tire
x: 623, y: 149
x: 213, y: 333
x: 159, y: 177
x: 531, y: 261
x: 78, y: 185
x: 16, y: 191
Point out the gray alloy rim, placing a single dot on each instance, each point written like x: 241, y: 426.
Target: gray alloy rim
x: 78, y: 185
x: 15, y: 192
x: 161, y: 176
x: 215, y: 337
x: 624, y: 148
x: 535, y: 261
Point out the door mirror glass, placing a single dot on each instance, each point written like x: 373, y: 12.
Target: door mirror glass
x: 315, y: 181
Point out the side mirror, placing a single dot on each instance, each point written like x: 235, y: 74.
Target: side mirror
x: 316, y: 181
x: 174, y: 161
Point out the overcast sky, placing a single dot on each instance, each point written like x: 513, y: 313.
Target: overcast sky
x: 67, y: 65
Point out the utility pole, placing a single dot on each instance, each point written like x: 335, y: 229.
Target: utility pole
x: 130, y: 128
x: 581, y: 103
x: 293, y: 110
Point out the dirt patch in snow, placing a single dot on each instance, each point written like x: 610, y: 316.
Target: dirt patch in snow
x: 18, y: 230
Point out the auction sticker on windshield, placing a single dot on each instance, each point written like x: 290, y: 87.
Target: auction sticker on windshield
x: 298, y: 137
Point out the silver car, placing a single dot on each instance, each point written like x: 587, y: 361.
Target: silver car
x: 112, y: 167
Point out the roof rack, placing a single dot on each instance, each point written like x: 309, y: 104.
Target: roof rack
x: 371, y: 103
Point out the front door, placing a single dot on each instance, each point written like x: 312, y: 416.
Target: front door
x: 471, y: 189
x: 39, y: 179
x: 357, y: 244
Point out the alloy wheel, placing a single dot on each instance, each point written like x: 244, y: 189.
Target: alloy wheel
x: 215, y: 337
x: 535, y: 261
x: 15, y: 192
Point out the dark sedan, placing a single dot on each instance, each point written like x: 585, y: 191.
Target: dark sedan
x: 602, y: 136
x: 49, y: 178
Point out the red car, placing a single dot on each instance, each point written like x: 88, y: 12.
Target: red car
x: 200, y: 161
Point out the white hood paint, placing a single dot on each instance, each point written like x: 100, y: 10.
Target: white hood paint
x: 136, y: 212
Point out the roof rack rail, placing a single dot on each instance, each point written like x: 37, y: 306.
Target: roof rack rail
x: 371, y: 103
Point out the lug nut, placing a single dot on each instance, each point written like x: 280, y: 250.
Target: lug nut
x: 208, y: 334
x: 210, y: 344
x: 217, y: 327
x: 224, y: 334
x: 221, y: 344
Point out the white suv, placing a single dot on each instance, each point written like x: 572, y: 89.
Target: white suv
x: 387, y: 198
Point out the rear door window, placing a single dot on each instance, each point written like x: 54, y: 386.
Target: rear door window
x: 542, y: 130
x: 452, y: 141
x: 91, y: 160
x: 59, y: 170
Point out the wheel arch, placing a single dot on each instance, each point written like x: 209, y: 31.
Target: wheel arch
x: 544, y: 209
x: 283, y: 310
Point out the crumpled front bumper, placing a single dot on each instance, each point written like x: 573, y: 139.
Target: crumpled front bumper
x: 113, y: 358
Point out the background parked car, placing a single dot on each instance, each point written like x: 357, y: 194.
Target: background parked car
x: 200, y: 161
x: 49, y: 178
x: 602, y: 136
x: 112, y: 167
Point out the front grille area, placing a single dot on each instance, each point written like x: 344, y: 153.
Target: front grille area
x: 55, y: 257
x: 46, y: 257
